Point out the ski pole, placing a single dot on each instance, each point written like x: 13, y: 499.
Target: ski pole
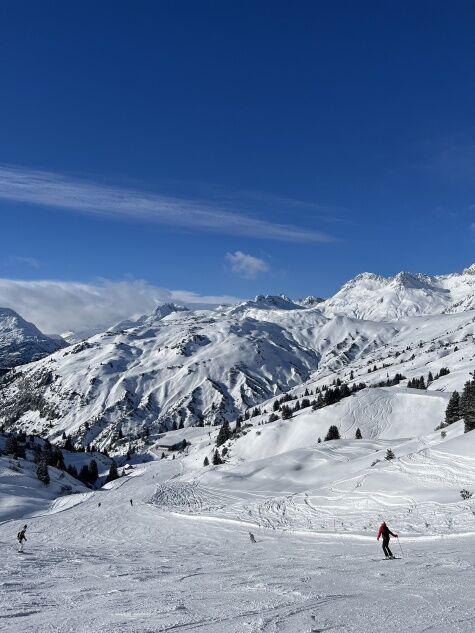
x: 402, y: 555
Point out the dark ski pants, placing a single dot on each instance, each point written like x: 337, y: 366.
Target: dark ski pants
x: 386, y: 550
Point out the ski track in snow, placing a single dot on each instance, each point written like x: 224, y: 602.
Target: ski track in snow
x: 148, y: 569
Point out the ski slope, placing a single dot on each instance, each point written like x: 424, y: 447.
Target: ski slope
x: 141, y: 568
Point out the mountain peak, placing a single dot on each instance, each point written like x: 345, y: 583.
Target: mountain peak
x: 22, y: 342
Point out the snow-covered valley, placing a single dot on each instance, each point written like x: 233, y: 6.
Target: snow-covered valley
x: 166, y: 546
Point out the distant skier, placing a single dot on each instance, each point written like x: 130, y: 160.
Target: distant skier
x: 386, y: 533
x: 131, y: 502
x: 21, y: 536
x: 252, y: 537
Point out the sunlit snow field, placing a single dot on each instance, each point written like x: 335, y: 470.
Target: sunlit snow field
x: 173, y: 566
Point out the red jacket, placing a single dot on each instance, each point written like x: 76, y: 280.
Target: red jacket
x: 384, y: 531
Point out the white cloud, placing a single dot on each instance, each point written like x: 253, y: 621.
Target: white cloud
x: 246, y: 265
x: 55, y: 190
x: 58, y: 306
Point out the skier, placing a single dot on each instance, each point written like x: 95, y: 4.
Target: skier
x: 252, y: 537
x: 21, y: 536
x: 386, y: 533
x: 131, y: 502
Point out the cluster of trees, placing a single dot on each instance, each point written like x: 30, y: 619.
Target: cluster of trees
x: 421, y: 383
x: 417, y: 383
x: 462, y: 407
x: 325, y: 397
x: 226, y: 433
x: 69, y: 446
x: 390, y: 382
x: 46, y: 454
x: 334, y: 434
x: 217, y: 458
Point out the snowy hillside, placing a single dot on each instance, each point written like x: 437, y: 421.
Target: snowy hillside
x: 178, y: 367
x: 22, y: 342
x: 169, y: 548
x: 370, y: 296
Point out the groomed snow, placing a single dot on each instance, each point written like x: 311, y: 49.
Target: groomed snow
x: 143, y: 568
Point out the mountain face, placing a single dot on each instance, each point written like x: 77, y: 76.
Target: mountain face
x: 22, y: 342
x: 373, y: 297
x: 177, y: 367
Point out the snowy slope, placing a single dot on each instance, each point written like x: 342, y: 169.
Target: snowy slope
x: 22, y: 342
x: 140, y: 568
x: 188, y: 367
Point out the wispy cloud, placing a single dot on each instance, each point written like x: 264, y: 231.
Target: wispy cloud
x: 29, y: 261
x: 58, y: 306
x: 56, y: 190
x: 246, y: 265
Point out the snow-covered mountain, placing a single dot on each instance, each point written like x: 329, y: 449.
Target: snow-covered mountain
x: 22, y: 342
x: 370, y: 296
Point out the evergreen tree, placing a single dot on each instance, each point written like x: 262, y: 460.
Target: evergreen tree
x: 358, y: 435
x: 333, y: 433
x: 68, y: 445
x: 273, y: 417
x: 84, y: 474
x: 389, y: 454
x: 276, y: 405
x: 224, y: 434
x: 72, y: 471
x: 42, y: 472
x: 452, y: 412
x: 319, y: 441
x: 174, y: 426
x: 113, y: 472
x: 286, y: 412
x: 206, y: 462
x: 58, y: 459
x: 11, y: 445
x: 467, y: 405
x: 216, y: 458
x: 92, y: 471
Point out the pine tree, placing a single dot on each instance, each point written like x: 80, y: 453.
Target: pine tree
x: 358, y: 435
x: 467, y: 405
x: 452, y: 412
x: 206, y: 462
x: 319, y: 441
x: 216, y: 458
x: 92, y: 471
x: 333, y: 433
x: 11, y: 445
x: 389, y: 454
x: 113, y: 472
x: 42, y: 472
x: 224, y: 434
x: 84, y: 474
x: 272, y: 418
x: 68, y: 445
x: 286, y: 412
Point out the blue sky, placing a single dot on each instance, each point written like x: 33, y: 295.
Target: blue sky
x: 234, y: 148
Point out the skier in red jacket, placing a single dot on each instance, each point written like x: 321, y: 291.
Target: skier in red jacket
x: 385, y: 532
